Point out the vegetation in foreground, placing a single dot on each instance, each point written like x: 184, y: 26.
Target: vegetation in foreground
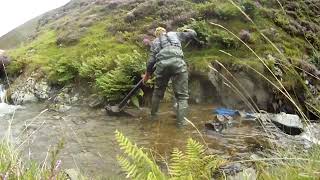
x: 14, y: 167
x: 292, y: 165
x: 140, y: 163
x: 191, y: 164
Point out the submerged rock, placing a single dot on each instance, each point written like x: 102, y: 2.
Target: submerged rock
x: 62, y: 108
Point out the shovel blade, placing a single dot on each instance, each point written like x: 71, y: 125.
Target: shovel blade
x: 115, y: 111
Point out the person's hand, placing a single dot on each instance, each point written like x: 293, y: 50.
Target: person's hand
x: 145, y: 77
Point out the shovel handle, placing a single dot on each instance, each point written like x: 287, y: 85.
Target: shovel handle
x: 130, y: 94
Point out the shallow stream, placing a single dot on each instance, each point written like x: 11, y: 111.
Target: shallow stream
x: 88, y: 135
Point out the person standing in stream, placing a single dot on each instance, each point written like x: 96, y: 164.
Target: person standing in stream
x: 166, y: 56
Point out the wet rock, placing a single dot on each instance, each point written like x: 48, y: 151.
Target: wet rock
x: 232, y: 168
x: 41, y: 90
x: 312, y: 134
x: 289, y: 123
x: 67, y: 96
x: 258, y: 91
x: 29, y: 98
x: 31, y: 90
x: 195, y: 92
x: 214, y: 126
x: 199, y: 88
x: 246, y: 174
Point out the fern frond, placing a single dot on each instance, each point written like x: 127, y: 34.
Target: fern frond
x: 177, y: 163
x: 127, y: 166
x: 138, y: 165
x: 194, y: 149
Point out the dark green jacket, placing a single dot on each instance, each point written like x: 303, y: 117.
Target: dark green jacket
x: 168, y: 46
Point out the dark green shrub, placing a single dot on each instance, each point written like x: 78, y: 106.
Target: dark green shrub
x: 207, y: 10
x: 115, y: 84
x: 224, y: 39
x: 315, y: 59
x: 249, y: 8
x: 209, y: 35
x: 62, y: 71
x: 227, y: 11
x: 204, y: 31
x: 96, y: 66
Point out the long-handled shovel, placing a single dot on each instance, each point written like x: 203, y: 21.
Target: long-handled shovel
x: 118, y: 109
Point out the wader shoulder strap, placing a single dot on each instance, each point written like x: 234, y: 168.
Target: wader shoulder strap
x: 168, y: 39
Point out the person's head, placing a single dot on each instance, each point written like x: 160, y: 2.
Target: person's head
x: 159, y: 31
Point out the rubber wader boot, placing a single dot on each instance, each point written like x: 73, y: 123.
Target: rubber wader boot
x: 175, y: 107
x: 181, y: 114
x: 155, y: 102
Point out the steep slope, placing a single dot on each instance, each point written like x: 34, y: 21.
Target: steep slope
x: 21, y: 34
x: 101, y: 41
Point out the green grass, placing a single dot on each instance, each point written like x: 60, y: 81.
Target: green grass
x: 295, y: 165
x: 95, y: 56
x: 13, y: 167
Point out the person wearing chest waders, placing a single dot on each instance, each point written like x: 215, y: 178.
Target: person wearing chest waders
x: 166, y: 57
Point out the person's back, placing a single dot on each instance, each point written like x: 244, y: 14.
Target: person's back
x: 167, y: 56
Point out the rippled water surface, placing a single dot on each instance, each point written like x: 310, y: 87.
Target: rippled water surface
x: 88, y: 135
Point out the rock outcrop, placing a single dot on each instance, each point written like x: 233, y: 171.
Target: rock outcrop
x: 30, y: 91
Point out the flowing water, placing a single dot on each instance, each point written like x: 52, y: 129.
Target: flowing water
x: 88, y: 135
x: 2, y: 93
x: 5, y: 108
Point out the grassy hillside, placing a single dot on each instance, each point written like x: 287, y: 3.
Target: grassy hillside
x: 19, y: 35
x: 102, y: 41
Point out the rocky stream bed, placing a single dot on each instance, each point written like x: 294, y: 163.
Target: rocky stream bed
x: 90, y: 147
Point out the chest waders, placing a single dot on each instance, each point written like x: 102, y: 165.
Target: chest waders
x: 171, y: 65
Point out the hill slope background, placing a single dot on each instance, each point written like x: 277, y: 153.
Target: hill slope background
x: 102, y: 42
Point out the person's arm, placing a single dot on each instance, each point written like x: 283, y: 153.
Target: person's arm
x: 150, y: 64
x: 187, y: 34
